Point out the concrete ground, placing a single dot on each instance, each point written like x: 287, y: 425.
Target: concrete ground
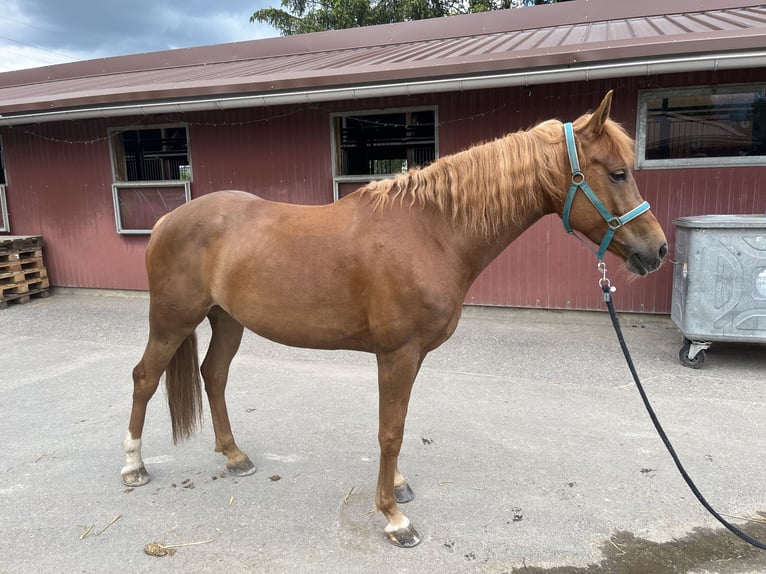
x: 527, y: 446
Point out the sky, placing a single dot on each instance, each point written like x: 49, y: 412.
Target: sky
x: 43, y: 32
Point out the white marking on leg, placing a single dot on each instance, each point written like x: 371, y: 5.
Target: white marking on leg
x: 403, y: 522
x: 132, y: 448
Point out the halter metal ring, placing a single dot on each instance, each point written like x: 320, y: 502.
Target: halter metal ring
x: 578, y: 177
x: 614, y: 223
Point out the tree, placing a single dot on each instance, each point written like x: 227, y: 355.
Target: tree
x: 303, y: 16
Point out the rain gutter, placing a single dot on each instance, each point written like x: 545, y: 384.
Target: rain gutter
x: 646, y: 67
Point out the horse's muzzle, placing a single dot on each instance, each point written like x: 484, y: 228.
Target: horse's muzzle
x: 643, y: 264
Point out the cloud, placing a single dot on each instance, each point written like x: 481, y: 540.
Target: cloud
x: 15, y: 57
x: 42, y: 32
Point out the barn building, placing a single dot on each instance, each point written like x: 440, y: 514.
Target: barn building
x: 94, y: 152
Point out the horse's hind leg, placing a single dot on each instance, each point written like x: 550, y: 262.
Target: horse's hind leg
x: 224, y: 343
x: 146, y: 377
x: 172, y: 346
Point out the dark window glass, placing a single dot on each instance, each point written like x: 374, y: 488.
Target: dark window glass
x: 706, y: 126
x: 152, y: 154
x: 387, y: 143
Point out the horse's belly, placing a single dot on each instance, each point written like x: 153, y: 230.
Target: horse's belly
x: 299, y: 321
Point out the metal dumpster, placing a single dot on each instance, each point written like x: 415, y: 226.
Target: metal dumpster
x: 719, y: 282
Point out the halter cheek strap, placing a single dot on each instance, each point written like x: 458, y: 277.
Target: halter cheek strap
x: 578, y: 182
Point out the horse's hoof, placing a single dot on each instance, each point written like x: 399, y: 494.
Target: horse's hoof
x: 242, y: 468
x: 137, y: 477
x: 406, y: 537
x: 404, y: 493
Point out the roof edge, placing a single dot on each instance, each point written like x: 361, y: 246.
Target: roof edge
x: 447, y: 67
x: 585, y: 72
x: 533, y: 17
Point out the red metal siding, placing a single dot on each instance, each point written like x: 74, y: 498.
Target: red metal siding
x: 282, y: 154
x: 59, y: 185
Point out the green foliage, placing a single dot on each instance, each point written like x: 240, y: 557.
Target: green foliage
x: 303, y: 16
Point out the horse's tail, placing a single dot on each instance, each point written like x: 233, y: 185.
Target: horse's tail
x: 184, y: 388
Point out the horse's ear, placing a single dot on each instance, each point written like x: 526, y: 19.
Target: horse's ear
x: 599, y: 117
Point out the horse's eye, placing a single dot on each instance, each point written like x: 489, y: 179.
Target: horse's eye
x: 619, y: 175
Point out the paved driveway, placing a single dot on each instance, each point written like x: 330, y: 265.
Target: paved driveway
x: 527, y: 447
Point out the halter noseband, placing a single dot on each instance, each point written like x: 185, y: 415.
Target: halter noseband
x: 578, y: 182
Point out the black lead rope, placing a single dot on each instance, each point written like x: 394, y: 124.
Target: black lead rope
x: 736, y: 531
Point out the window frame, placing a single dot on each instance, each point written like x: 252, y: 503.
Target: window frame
x: 642, y: 127
x: 132, y: 185
x: 362, y: 179
x: 5, y: 224
x: 119, y: 184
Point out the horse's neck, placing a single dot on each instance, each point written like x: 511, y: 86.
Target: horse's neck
x: 524, y: 198
x: 482, y: 251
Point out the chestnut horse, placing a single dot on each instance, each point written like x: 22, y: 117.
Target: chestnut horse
x: 383, y: 270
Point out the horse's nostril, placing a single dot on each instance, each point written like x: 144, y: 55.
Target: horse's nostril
x: 663, y: 250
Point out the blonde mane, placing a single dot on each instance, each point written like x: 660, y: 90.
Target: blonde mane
x: 489, y: 187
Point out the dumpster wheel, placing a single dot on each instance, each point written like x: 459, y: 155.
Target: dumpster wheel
x: 692, y: 354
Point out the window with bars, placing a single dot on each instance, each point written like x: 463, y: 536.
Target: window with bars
x: 702, y: 127
x: 152, y: 174
x: 378, y: 144
x: 151, y: 154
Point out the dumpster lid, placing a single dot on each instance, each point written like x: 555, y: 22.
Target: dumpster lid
x: 755, y: 221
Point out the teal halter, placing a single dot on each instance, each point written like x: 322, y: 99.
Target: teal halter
x: 578, y: 182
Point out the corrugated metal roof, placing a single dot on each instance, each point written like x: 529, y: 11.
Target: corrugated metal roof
x: 550, y: 37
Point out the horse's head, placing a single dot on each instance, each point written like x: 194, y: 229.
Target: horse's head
x: 603, y: 201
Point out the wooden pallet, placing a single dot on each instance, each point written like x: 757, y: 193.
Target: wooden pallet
x: 22, y: 272
x: 12, y: 243
x: 35, y: 283
x: 14, y: 276
x: 21, y: 298
x: 22, y: 261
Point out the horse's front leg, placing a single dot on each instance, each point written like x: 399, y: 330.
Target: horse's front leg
x: 396, y: 374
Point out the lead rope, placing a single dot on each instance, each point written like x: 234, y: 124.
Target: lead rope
x: 608, y: 289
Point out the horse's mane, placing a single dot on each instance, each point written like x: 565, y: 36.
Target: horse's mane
x: 488, y: 187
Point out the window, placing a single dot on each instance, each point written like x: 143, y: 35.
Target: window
x: 150, y: 154
x: 705, y: 127
x: 4, y: 223
x: 376, y: 145
x: 152, y: 174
